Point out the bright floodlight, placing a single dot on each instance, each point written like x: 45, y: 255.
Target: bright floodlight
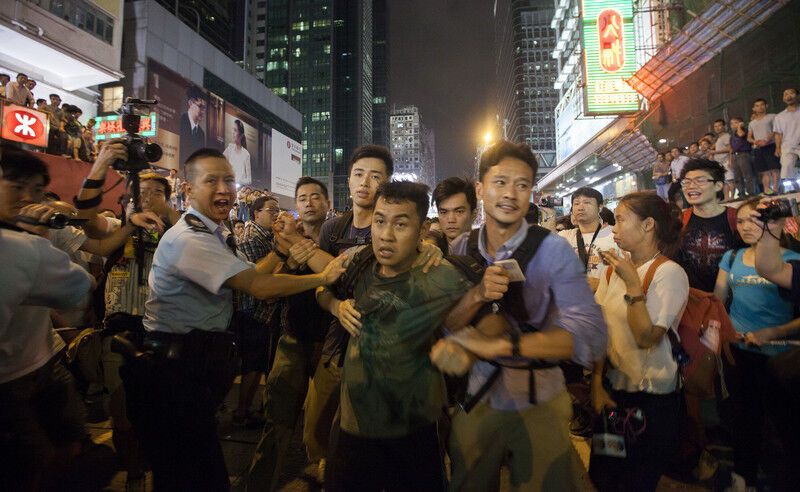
x: 487, y: 137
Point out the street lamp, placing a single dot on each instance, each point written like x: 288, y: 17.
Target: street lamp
x: 487, y: 138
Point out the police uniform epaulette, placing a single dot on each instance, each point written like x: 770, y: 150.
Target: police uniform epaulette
x: 196, y: 224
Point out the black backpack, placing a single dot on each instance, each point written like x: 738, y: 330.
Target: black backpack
x: 337, y: 238
x: 513, y: 303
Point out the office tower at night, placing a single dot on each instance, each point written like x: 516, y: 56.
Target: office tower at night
x: 413, y: 146
x: 525, y: 73
x: 318, y: 56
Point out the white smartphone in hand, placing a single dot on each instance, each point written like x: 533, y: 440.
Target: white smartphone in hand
x: 512, y: 268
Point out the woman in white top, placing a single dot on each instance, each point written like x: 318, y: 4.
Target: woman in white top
x: 642, y: 299
x: 237, y: 154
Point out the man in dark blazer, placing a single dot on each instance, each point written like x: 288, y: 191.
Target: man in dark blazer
x: 193, y: 136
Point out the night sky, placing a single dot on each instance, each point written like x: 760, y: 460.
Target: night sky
x: 441, y: 61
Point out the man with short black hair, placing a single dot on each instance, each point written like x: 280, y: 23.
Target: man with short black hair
x: 761, y: 136
x: 392, y: 396
x: 173, y: 395
x: 17, y: 91
x: 709, y: 228
x: 740, y: 159
x: 254, y: 323
x: 456, y: 206
x: 303, y: 325
x: 678, y: 161
x: 521, y: 416
x: 192, y: 134
x: 42, y: 415
x: 721, y: 152
x: 589, y: 237
x: 787, y: 134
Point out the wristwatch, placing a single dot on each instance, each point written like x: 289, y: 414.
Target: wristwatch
x: 631, y: 300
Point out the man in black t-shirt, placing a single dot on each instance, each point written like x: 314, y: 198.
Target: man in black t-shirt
x: 709, y: 227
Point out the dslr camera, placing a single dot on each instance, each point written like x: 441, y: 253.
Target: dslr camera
x: 551, y: 201
x: 779, y: 208
x: 140, y: 152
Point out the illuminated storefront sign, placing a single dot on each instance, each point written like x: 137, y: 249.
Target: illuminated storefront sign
x: 107, y: 127
x: 26, y: 125
x: 609, y: 56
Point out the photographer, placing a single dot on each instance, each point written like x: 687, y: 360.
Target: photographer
x: 782, y: 388
x: 41, y: 414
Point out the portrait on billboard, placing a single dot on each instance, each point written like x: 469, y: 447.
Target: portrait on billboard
x: 193, y: 136
x: 241, y: 144
x: 181, y: 109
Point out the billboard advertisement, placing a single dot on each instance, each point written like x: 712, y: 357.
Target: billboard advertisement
x: 241, y: 146
x: 181, y: 110
x: 609, y: 56
x: 287, y: 164
x: 25, y: 125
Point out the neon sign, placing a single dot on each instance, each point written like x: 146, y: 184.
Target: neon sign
x: 107, y: 127
x: 608, y: 56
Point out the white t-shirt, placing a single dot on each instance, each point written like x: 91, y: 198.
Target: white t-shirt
x: 40, y: 277
x: 723, y: 141
x: 240, y: 161
x: 604, y: 241
x: 762, y: 128
x: 677, y: 166
x: 633, y: 369
x: 787, y: 123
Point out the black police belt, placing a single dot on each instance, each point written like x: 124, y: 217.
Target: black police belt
x: 514, y: 363
x: 200, y: 348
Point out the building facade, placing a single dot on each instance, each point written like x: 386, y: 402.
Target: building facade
x: 167, y: 59
x: 318, y: 56
x: 525, y: 74
x: 380, y: 72
x: 413, y: 146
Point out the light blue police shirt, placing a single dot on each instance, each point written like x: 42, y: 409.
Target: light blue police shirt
x: 186, y: 281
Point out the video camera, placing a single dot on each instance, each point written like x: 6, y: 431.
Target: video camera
x: 140, y: 152
x: 551, y: 201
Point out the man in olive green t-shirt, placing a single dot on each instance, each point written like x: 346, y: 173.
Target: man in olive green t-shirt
x: 392, y: 395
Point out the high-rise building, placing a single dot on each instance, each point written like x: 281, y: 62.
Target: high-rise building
x: 380, y: 73
x: 318, y: 56
x: 218, y: 21
x: 525, y: 74
x: 412, y: 146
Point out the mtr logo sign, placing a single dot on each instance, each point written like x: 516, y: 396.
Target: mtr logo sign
x: 21, y: 124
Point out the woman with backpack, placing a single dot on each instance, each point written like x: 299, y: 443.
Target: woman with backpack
x: 759, y: 315
x: 642, y: 299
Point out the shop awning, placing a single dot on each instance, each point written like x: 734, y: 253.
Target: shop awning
x: 699, y: 41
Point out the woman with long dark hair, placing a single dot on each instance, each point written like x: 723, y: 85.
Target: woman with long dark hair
x: 642, y: 298
x: 237, y: 154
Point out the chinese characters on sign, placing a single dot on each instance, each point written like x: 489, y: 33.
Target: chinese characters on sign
x: 609, y: 30
x: 608, y: 48
x: 107, y: 127
x: 26, y: 125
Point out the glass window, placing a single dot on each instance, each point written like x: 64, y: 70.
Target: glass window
x: 112, y: 99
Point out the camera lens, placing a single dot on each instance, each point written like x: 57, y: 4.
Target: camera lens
x: 779, y: 208
x: 57, y: 221
x: 152, y: 152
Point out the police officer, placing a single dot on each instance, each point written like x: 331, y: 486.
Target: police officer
x: 187, y: 368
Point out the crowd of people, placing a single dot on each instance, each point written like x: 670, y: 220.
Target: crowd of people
x: 401, y: 343
x: 68, y: 137
x: 758, y: 156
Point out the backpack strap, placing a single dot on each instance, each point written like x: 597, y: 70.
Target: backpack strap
x: 342, y: 223
x: 469, y: 266
x: 514, y: 301
x: 472, y: 245
x: 687, y: 214
x: 648, y: 276
x: 345, y: 286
